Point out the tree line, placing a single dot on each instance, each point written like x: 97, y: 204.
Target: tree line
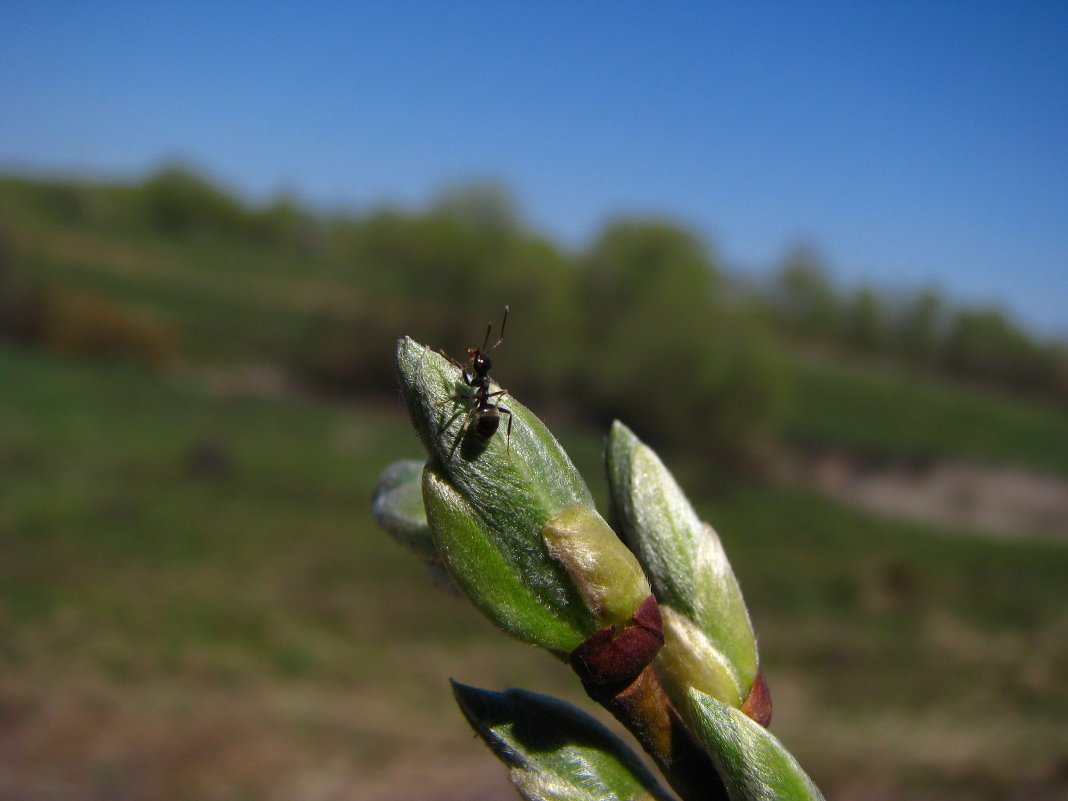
x: 921, y: 329
x: 643, y: 324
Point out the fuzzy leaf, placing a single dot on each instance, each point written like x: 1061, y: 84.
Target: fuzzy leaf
x: 397, y: 504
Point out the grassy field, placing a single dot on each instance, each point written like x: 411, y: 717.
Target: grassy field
x: 887, y: 413
x: 195, y: 603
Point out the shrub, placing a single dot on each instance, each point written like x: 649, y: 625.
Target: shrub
x: 85, y: 323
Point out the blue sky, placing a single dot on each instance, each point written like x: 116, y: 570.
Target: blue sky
x: 912, y: 143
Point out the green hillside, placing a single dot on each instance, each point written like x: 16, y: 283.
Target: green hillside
x: 314, y: 307
x: 194, y: 599
x: 176, y: 561
x: 894, y: 414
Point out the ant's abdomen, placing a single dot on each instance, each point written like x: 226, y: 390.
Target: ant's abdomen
x: 487, y: 423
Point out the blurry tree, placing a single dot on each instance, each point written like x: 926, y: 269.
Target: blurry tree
x: 803, y: 297
x: 181, y: 202
x: 864, y: 323
x: 487, y: 207
x: 986, y: 344
x: 18, y: 287
x: 653, y: 311
x: 70, y: 200
x: 589, y: 329
x: 920, y: 327
x: 452, y: 269
x: 284, y: 224
x: 981, y: 343
x: 7, y: 283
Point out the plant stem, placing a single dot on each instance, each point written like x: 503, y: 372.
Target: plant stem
x: 644, y: 709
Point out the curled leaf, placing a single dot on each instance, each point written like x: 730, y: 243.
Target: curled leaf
x: 397, y: 504
x: 555, y: 751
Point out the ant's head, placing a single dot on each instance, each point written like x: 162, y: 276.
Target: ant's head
x: 480, y: 360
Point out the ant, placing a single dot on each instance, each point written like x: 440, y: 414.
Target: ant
x: 485, y: 414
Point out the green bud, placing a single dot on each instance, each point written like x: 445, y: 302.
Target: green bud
x: 555, y: 751
x: 527, y: 473
x: 511, y: 518
x: 397, y: 504
x: 752, y: 763
x: 709, y: 640
x: 523, y: 591
x: 688, y: 659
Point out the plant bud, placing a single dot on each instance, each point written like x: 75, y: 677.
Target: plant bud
x: 752, y: 763
x: 607, y: 575
x: 523, y: 590
x: 512, y: 520
x: 397, y: 504
x: 709, y: 640
x: 688, y: 659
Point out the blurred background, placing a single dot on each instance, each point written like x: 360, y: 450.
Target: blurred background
x: 816, y: 256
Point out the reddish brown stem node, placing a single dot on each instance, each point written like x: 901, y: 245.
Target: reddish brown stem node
x: 758, y: 704
x: 612, y: 657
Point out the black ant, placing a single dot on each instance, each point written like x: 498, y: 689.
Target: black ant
x: 485, y: 414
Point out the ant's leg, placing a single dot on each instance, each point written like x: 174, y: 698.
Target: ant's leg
x: 450, y: 358
x: 454, y: 398
x: 508, y: 433
x: 469, y: 380
x: 456, y: 443
x: 451, y: 420
x: 461, y: 432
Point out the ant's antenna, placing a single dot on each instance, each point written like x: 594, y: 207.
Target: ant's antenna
x: 504, y: 322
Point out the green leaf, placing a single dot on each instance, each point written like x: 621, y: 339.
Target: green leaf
x: 752, y: 763
x: 704, y: 612
x: 555, y: 751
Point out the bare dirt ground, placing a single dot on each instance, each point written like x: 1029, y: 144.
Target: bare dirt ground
x: 999, y: 501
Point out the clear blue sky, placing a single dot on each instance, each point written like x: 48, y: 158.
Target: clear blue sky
x: 912, y: 143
